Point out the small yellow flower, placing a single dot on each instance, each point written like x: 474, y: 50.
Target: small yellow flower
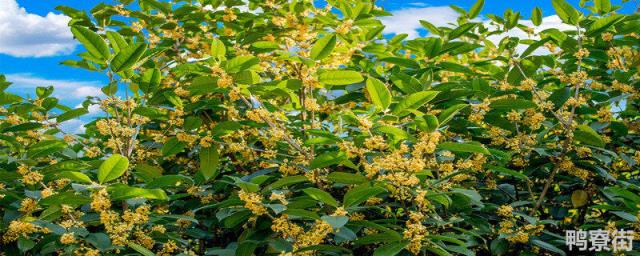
x: 68, y: 238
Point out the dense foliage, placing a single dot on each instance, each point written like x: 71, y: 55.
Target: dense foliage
x: 282, y: 128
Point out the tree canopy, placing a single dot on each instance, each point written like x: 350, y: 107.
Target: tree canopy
x: 282, y: 128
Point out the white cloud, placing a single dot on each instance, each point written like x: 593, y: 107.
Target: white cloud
x: 24, y: 34
x: 408, y: 20
x: 548, y: 22
x: 73, y: 126
x: 94, y: 109
x: 64, y: 89
x: 418, y: 4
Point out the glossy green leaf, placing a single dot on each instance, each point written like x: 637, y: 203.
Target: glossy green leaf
x: 413, y: 101
x: 173, y: 146
x: 123, y: 192
x: 328, y: 159
x: 602, y: 6
x: 378, y: 92
x: 323, y: 47
x: 93, y: 42
x: 241, y: 63
x: 128, y: 57
x: 604, y: 23
x: 357, y: 195
x: 390, y: 249
x: 218, y: 49
x: 448, y: 114
x: 587, y: 135
x: 150, y: 80
x: 339, y: 77
x: 321, y: 195
x: 140, y: 249
x: 209, y: 161
x: 346, y: 178
x: 475, y: 9
x: 112, y: 168
x: 75, y: 176
x: 566, y: 12
x: 536, y: 16
x: 464, y: 147
x: 71, y: 114
x: 506, y: 104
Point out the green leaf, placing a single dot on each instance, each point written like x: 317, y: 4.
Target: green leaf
x: 75, y: 176
x: 169, y: 181
x: 566, y: 12
x: 475, y: 9
x: 51, y: 213
x: 321, y: 196
x: 467, y: 147
x: 327, y: 159
x: 506, y: 171
x: 287, y: 181
x: 339, y: 77
x: 128, y: 57
x: 71, y: 114
x: 147, y: 172
x: 218, y: 49
x: 141, y: 249
x: 459, y: 31
x: 602, y: 24
x: 123, y: 192
x: 336, y: 222
x: 449, y: 113
x: 112, y: 168
x: 241, y: 63
x: 536, y: 16
x: 209, y: 161
x: 579, y: 198
x: 430, y: 27
x: 68, y: 197
x: 390, y: 249
x: 401, y: 61
x: 585, y: 134
x: 346, y: 178
x: 428, y: 123
x: 360, y: 194
x: 395, y: 132
x: 116, y: 41
x: 225, y: 127
x: 246, y: 248
x: 507, y: 104
x: 173, y: 146
x: 323, y: 47
x: 386, y: 236
x: 23, y: 127
x: 626, y: 216
x: 548, y: 246
x: 413, y: 101
x: 25, y: 244
x: 93, y: 42
x: 150, y: 80
x: 379, y: 93
x: 45, y: 147
x: 602, y: 6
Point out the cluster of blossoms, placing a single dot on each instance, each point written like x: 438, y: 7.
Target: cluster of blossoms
x: 290, y: 129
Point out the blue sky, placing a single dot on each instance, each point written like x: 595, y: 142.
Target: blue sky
x: 34, y: 38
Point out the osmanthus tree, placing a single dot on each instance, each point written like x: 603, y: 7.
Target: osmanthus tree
x: 282, y: 128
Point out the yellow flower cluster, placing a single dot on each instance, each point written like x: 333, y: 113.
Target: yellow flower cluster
x: 19, y: 229
x: 415, y: 232
x: 253, y: 202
